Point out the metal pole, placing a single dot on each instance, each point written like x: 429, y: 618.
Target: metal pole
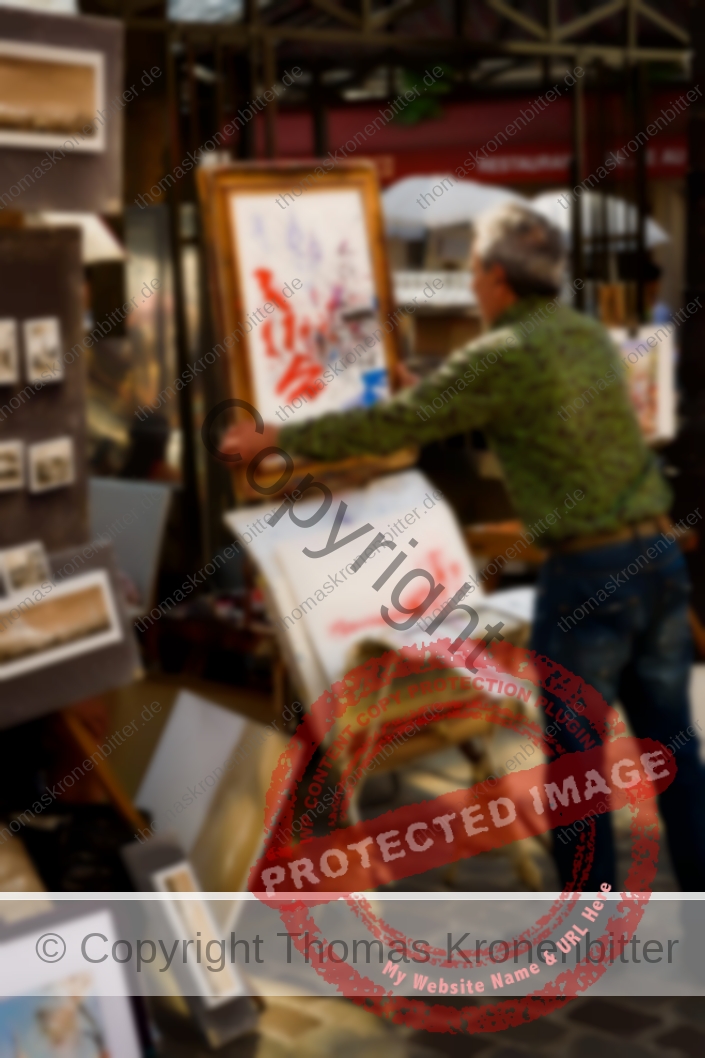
x: 578, y: 168
x: 639, y: 82
x: 191, y: 506
x: 320, y: 116
x: 270, y: 78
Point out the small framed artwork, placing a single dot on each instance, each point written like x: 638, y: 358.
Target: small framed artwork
x: 24, y: 566
x: 51, y: 94
x: 58, y: 622
x: 11, y: 465
x: 42, y: 349
x: 194, y: 918
x: 51, y: 464
x: 64, y: 1008
x: 9, y: 357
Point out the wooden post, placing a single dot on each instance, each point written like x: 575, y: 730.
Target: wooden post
x: 113, y: 787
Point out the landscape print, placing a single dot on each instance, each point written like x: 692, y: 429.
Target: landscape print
x: 43, y: 627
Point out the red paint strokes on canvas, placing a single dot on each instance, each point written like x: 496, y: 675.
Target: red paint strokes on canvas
x: 302, y: 343
x: 442, y: 573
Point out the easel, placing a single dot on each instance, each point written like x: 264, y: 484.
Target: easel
x: 81, y: 736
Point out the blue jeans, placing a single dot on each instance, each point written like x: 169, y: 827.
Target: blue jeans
x: 634, y: 645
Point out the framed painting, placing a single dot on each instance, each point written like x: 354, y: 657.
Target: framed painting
x: 49, y: 93
x: 302, y: 295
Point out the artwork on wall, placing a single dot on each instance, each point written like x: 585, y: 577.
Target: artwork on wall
x: 51, y: 464
x: 303, y: 291
x: 9, y: 356
x: 42, y: 349
x: 45, y: 625
x: 23, y: 566
x: 11, y: 466
x: 49, y: 94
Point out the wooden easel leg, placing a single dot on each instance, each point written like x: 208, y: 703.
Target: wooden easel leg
x: 81, y: 737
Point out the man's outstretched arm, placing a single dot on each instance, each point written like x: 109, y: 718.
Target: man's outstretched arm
x: 459, y: 396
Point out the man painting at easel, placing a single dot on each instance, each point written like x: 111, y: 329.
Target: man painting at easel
x: 631, y: 639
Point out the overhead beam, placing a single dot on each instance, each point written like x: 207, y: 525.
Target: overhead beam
x: 664, y: 23
x: 388, y: 14
x: 529, y: 24
x: 596, y: 51
x: 336, y: 11
x: 579, y: 25
x: 347, y: 38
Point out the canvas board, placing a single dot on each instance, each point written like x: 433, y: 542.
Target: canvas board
x: 650, y: 378
x: 9, y: 353
x: 319, y: 637
x: 323, y: 243
x: 40, y: 627
x: 196, y: 741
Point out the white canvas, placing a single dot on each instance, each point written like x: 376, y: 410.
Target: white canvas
x: 320, y: 642
x: 351, y: 611
x: 321, y: 240
x: 197, y: 740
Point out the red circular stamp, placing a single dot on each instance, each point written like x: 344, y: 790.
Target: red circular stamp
x: 316, y: 855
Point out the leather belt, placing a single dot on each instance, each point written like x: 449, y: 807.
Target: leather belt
x: 648, y: 527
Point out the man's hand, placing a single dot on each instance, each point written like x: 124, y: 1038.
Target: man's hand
x: 242, y: 439
x: 404, y: 376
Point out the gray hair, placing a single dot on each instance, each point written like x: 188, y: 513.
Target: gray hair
x: 528, y: 247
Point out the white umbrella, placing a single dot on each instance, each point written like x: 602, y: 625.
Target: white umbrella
x: 448, y: 201
x: 621, y: 217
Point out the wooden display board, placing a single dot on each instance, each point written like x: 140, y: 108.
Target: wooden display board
x: 302, y: 295
x: 41, y: 280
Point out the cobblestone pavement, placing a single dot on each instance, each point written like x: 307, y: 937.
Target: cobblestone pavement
x: 590, y: 1027
x: 304, y: 1027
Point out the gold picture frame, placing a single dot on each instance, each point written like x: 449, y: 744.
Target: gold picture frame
x: 260, y: 218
